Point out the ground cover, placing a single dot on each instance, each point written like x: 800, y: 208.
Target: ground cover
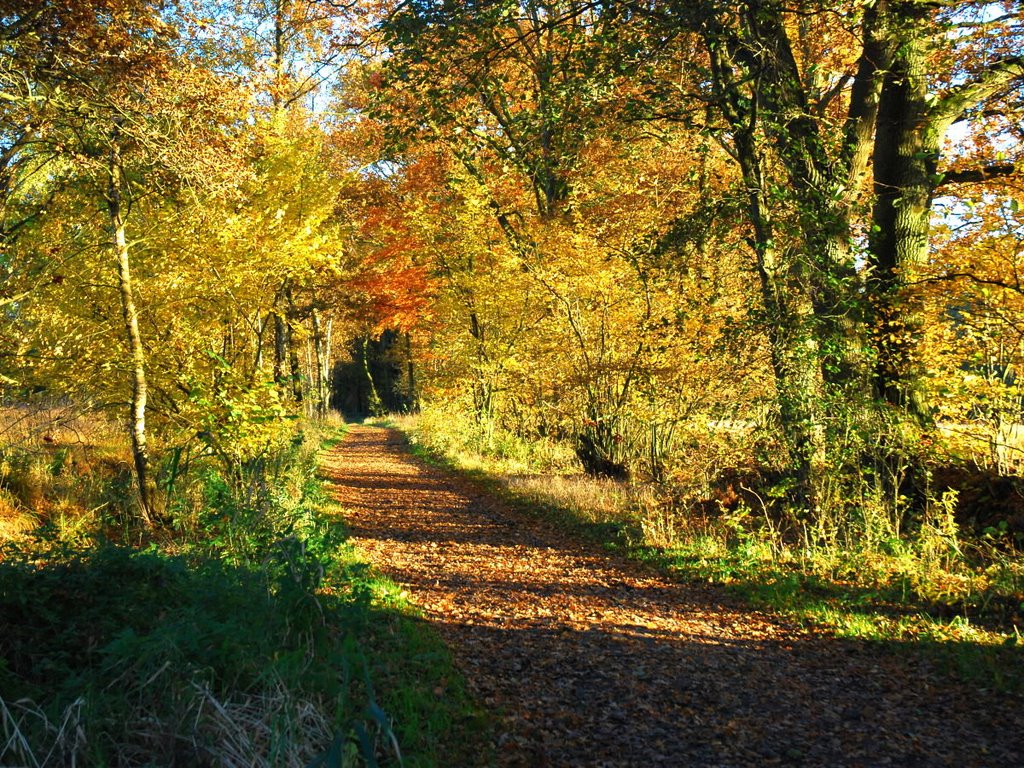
x: 239, y: 635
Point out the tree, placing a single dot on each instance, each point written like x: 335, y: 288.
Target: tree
x: 916, y: 110
x: 555, y: 268
x: 119, y: 111
x: 810, y: 102
x: 803, y: 138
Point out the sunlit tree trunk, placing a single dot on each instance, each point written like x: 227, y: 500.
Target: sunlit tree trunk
x: 261, y: 324
x: 374, y: 406
x: 482, y: 389
x: 825, y: 182
x: 322, y: 361
x: 287, y: 368
x: 137, y: 413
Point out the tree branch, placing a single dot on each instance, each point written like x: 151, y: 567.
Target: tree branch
x: 976, y: 175
x: 859, y: 130
x: 958, y: 100
x: 977, y: 279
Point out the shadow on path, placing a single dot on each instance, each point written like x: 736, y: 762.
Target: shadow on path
x: 594, y: 661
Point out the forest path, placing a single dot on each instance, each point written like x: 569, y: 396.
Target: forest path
x: 592, y: 660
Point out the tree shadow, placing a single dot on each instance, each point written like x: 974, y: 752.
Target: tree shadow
x: 597, y: 661
x: 632, y: 696
x: 182, y: 661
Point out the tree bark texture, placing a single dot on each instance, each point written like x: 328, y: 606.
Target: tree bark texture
x: 789, y: 305
x: 905, y: 163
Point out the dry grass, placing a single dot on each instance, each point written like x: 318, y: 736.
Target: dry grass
x: 15, y: 519
x: 246, y: 732
x: 481, y: 447
x: 60, y: 465
x: 39, y: 426
x: 270, y: 730
x: 65, y: 740
x: 596, y: 500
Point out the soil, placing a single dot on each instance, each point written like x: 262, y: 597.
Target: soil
x: 588, y: 659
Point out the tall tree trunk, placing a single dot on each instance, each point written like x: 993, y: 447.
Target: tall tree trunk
x: 327, y: 365
x: 316, y: 366
x: 257, y: 365
x: 280, y: 347
x: 789, y: 304
x: 825, y: 184
x: 482, y: 391
x: 321, y: 362
x: 277, y: 87
x: 374, y: 406
x: 137, y: 413
x: 799, y: 377
x: 905, y: 160
x: 287, y: 369
x: 413, y: 399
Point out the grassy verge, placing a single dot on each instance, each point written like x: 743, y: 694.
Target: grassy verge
x: 862, y: 605
x: 253, y: 636
x: 891, y: 597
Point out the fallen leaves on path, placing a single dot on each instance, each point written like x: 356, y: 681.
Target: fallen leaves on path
x: 590, y: 660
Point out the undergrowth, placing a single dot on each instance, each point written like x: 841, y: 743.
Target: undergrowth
x: 248, y: 633
x: 933, y: 588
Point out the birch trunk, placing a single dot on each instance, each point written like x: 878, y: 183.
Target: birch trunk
x: 137, y: 413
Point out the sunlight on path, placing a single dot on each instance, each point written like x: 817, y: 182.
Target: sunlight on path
x: 592, y: 661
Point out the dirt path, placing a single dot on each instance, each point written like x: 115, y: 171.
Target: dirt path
x: 594, y: 661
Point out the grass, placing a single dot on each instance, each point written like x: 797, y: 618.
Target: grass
x: 985, y: 651
x: 914, y: 593
x: 251, y: 635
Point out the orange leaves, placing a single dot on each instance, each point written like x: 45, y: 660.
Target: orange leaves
x: 393, y: 290
x: 390, y: 278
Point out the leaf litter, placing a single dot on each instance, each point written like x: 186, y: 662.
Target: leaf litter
x: 588, y: 659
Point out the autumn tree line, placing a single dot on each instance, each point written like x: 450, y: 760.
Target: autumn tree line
x: 783, y: 235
